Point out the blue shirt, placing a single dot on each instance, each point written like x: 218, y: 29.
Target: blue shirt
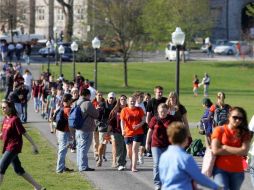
x: 177, y: 169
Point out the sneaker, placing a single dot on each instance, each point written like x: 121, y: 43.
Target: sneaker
x: 99, y: 163
x: 68, y: 170
x: 157, y: 188
x: 120, y: 168
x: 89, y: 169
x: 104, y: 159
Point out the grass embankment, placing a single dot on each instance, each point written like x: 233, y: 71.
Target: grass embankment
x: 234, y: 78
x: 42, y: 167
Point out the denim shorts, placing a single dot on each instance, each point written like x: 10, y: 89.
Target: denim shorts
x: 136, y: 138
x: 11, y: 158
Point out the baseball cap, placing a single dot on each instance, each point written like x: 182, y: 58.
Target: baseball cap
x: 111, y: 95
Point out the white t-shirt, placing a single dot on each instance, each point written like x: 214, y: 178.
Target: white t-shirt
x: 28, y: 79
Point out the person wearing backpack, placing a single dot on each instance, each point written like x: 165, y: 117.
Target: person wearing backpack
x: 84, y: 135
x: 63, y: 134
x: 219, y: 111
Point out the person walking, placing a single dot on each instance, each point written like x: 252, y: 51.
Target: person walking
x: 84, y: 136
x: 11, y: 134
x: 195, y: 83
x: 132, y: 120
x: 118, y: 144
x: 206, y: 82
x: 178, y: 169
x: 157, y: 139
x: 230, y: 143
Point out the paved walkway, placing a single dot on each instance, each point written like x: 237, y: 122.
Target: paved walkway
x: 105, y: 177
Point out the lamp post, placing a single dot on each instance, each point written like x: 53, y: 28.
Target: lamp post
x: 178, y: 38
x: 96, y: 43
x: 74, y: 48
x: 48, y: 45
x: 55, y: 41
x: 61, y: 52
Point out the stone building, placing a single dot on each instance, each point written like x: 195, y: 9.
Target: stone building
x: 231, y: 21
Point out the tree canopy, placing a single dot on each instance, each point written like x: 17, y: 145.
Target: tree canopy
x: 161, y: 17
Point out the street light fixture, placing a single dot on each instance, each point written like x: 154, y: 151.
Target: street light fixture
x: 96, y: 44
x: 61, y: 52
x: 74, y: 48
x: 178, y: 38
x: 55, y: 41
x: 48, y: 45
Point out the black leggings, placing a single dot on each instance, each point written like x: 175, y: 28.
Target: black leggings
x: 11, y: 158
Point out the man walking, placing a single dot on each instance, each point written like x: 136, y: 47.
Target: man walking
x: 84, y: 135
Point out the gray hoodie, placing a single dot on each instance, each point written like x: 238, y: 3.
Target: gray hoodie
x: 90, y: 113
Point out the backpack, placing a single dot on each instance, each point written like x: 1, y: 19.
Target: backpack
x: 59, y: 119
x: 195, y: 147
x: 75, y: 118
x: 221, y: 114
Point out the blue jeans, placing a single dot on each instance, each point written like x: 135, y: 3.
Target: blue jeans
x: 84, y: 141
x: 36, y: 103
x: 18, y: 108
x: 63, y: 140
x: 24, y: 112
x: 11, y: 158
x: 157, y: 151
x: 230, y: 180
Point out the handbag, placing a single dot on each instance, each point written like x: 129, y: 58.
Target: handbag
x: 208, y: 162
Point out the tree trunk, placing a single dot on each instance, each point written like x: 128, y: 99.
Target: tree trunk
x: 68, y: 29
x: 125, y: 72
x: 32, y: 16
x: 51, y: 19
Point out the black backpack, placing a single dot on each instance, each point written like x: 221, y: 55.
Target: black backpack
x: 221, y: 115
x: 59, y: 119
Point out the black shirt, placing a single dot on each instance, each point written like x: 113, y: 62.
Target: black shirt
x: 153, y: 104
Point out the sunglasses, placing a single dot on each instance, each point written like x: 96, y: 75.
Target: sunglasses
x: 3, y: 107
x: 237, y: 118
x: 123, y: 99
x: 111, y: 98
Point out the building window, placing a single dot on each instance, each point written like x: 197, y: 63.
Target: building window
x: 59, y: 14
x: 24, y: 14
x: 80, y: 13
x: 217, y: 15
x: 40, y: 13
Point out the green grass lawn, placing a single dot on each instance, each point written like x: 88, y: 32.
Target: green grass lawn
x: 234, y: 78
x: 42, y: 168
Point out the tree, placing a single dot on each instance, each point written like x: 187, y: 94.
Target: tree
x: 32, y: 16
x: 161, y: 17
x: 122, y: 17
x: 250, y: 10
x: 68, y: 13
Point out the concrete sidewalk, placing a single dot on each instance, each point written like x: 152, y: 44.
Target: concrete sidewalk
x: 105, y: 177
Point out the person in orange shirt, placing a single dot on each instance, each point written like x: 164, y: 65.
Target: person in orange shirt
x: 195, y: 83
x: 230, y: 143
x: 132, y: 120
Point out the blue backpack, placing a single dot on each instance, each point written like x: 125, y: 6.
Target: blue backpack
x: 75, y: 118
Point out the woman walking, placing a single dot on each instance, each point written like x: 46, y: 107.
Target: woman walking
x: 132, y: 120
x: 230, y: 142
x: 11, y: 135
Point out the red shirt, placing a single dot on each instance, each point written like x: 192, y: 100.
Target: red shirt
x: 67, y: 111
x: 12, y: 131
x: 159, y: 127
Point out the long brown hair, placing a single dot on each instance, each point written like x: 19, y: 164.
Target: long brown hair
x: 117, y: 107
x: 243, y: 127
x: 12, y: 110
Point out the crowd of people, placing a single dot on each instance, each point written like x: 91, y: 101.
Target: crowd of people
x: 137, y: 125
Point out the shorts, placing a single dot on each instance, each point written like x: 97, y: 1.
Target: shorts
x: 103, y: 137
x: 136, y: 138
x: 11, y: 158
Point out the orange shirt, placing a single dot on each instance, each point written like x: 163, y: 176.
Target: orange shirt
x: 227, y: 136
x: 132, y: 117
